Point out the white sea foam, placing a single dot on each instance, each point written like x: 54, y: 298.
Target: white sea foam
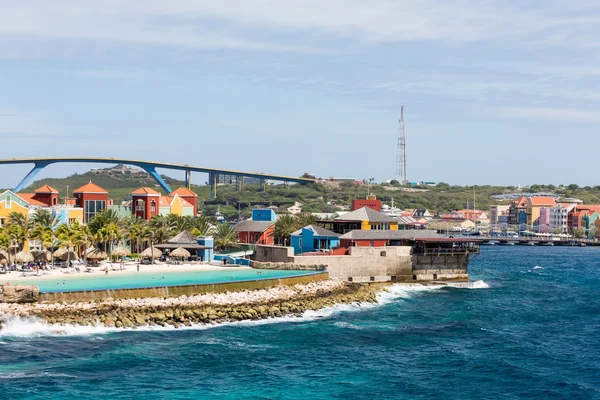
x: 468, y: 285
x: 34, y: 327
x: 538, y: 267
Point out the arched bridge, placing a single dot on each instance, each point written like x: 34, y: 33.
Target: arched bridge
x: 150, y: 167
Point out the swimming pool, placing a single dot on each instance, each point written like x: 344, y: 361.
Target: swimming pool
x: 146, y: 279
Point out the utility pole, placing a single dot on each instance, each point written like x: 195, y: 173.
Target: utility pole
x: 401, y: 152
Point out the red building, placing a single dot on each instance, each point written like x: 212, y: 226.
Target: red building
x: 188, y: 196
x: 256, y: 232
x: 46, y: 196
x: 145, y: 202
x: 92, y: 198
x: 370, y: 202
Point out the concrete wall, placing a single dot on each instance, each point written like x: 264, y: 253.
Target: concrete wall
x: 98, y: 295
x: 274, y: 254
x: 368, y: 264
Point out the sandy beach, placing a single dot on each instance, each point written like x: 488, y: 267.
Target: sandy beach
x: 114, y: 269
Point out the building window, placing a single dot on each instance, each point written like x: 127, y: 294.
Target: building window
x: 153, y: 206
x: 2, y: 221
x: 139, y: 205
x: 54, y: 201
x: 8, y: 202
x: 93, y: 207
x: 300, y: 243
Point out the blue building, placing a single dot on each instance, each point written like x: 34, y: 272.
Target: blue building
x: 263, y: 214
x: 206, y: 254
x: 314, y: 238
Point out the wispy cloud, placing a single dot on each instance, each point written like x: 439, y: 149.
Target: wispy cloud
x: 549, y: 114
x: 270, y: 24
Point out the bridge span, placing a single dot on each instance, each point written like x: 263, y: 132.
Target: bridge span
x: 150, y: 167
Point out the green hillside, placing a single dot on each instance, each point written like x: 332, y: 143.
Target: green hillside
x: 314, y: 197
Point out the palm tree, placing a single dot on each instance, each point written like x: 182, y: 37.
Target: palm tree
x: 303, y: 220
x: 150, y: 236
x: 201, y: 226
x: 132, y: 227
x: 83, y: 239
x: 103, y: 219
x: 284, y: 227
x: 46, y: 218
x: 109, y: 234
x: 19, y: 226
x: 67, y: 236
x: 5, y: 242
x: 225, y: 236
x: 162, y: 226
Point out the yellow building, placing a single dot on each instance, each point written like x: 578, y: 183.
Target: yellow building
x: 10, y: 202
x: 362, y: 219
x: 534, y: 204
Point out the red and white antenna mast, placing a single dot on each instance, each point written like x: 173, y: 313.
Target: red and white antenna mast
x: 401, y: 156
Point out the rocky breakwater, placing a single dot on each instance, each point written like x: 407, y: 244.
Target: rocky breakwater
x: 18, y: 293
x: 198, y: 309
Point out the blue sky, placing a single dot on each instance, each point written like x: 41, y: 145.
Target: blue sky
x: 495, y: 92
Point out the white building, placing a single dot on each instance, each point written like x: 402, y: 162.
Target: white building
x: 559, y: 217
x: 496, y: 211
x: 295, y: 209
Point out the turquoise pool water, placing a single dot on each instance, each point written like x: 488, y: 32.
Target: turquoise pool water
x: 98, y: 281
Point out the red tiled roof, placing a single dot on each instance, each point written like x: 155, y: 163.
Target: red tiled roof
x: 28, y: 197
x: 145, y: 191
x: 46, y: 189
x: 182, y: 191
x: 542, y: 201
x: 90, y: 188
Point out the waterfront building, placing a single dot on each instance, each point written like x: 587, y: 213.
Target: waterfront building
x: 259, y: 229
x: 496, y: 211
x: 145, y: 203
x: 582, y: 216
x: 422, y: 213
x: 364, y: 218
x: 189, y: 196
x: 314, y: 238
x: 515, y: 215
x: 92, y: 198
x: 543, y: 222
x: 559, y: 217
x: 43, y: 196
x: 534, y: 205
x: 358, y: 238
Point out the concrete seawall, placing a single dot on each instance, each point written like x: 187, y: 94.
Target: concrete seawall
x: 367, y: 264
x: 173, y: 291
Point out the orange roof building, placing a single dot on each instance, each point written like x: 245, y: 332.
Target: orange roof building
x: 187, y: 195
x: 92, y: 198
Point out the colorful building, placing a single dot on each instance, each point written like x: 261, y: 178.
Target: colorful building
x: 582, y: 216
x: 189, y: 196
x: 371, y: 202
x: 362, y: 219
x: 559, y: 217
x: 314, y: 238
x: 44, y: 196
x: 534, y: 205
x: 92, y: 198
x: 515, y: 209
x: 258, y: 230
x: 145, y: 203
x: 10, y: 202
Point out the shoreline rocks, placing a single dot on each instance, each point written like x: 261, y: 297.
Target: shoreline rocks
x: 209, y: 308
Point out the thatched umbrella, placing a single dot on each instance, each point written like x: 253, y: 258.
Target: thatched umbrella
x: 59, y: 253
x: 24, y: 257
x: 179, y: 252
x: 89, y: 251
x: 151, y: 253
x: 68, y: 256
x: 97, y: 255
x: 43, y: 255
x: 121, y: 252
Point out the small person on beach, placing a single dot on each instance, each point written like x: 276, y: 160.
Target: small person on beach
x: 138, y: 267
x: 105, y: 270
x: 122, y: 265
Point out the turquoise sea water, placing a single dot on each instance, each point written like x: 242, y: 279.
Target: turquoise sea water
x: 99, y: 281
x: 534, y: 333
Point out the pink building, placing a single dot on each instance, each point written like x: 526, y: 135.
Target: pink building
x: 544, y: 220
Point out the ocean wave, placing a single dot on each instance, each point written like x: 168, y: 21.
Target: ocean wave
x: 27, y: 375
x: 23, y: 327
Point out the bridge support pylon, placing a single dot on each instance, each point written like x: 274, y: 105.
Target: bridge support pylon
x: 188, y: 179
x: 38, y: 166
x: 152, y: 171
x: 212, y: 181
x: 263, y: 185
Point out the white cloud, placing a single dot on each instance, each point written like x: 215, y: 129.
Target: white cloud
x: 256, y: 24
x: 549, y: 113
